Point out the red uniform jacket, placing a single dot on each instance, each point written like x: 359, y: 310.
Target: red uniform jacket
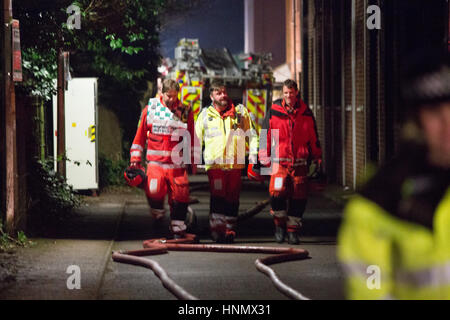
x: 298, y: 140
x: 158, y: 126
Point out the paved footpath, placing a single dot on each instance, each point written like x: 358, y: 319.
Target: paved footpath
x: 121, y: 221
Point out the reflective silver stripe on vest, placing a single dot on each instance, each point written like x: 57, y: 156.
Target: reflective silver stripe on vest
x: 173, y: 124
x: 437, y: 276
x: 213, y: 132
x: 137, y: 147
x: 355, y: 269
x: 163, y: 153
x: 433, y: 277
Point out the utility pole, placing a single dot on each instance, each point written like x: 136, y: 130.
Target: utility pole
x: 9, y: 101
x: 61, y: 148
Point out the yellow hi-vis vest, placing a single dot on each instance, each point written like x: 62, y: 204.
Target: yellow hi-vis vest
x: 225, y: 139
x: 385, y: 257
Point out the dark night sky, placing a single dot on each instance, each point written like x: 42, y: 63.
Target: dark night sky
x: 217, y: 24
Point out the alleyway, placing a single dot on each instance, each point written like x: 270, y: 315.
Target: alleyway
x: 121, y: 222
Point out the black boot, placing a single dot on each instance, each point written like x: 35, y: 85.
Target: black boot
x: 293, y: 238
x: 218, y: 237
x: 177, y: 236
x: 280, y: 233
x: 229, y: 236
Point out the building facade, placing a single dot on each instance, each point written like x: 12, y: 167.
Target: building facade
x: 352, y: 56
x: 347, y: 56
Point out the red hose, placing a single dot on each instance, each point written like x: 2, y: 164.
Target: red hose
x: 159, y: 246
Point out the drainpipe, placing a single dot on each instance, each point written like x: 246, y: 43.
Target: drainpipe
x: 343, y: 106
x: 354, y: 91
x: 294, y: 24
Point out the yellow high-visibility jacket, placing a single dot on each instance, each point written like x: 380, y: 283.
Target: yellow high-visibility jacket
x: 225, y: 137
x: 394, y: 242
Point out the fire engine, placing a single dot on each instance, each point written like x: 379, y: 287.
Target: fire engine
x: 194, y: 67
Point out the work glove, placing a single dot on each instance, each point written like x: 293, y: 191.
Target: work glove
x: 315, y: 169
x: 265, y: 161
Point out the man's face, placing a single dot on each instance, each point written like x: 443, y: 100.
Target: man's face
x: 435, y: 123
x: 170, y: 97
x: 290, y: 96
x: 220, y: 97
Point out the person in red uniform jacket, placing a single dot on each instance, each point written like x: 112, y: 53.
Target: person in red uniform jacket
x: 165, y: 125
x: 292, y: 123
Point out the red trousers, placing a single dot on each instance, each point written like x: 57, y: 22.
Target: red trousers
x: 225, y: 188
x: 171, y: 180
x: 288, y: 190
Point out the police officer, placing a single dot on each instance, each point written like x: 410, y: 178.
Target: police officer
x: 394, y: 242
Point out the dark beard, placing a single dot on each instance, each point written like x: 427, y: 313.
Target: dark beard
x: 219, y: 103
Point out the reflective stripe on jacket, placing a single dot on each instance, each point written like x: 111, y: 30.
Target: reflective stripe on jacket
x: 225, y: 138
x: 160, y: 130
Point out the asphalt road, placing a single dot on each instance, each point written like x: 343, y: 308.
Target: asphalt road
x: 121, y: 222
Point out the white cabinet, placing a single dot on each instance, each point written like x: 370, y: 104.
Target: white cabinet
x: 81, y: 136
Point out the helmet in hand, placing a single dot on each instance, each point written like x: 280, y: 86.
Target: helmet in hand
x: 135, y: 176
x: 254, y: 172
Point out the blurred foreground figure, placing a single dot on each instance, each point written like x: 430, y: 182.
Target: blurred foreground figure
x: 394, y: 242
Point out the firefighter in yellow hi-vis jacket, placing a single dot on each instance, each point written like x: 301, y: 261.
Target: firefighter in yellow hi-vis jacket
x: 223, y: 129
x: 394, y: 242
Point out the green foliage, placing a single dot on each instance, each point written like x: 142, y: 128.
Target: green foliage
x: 118, y: 39
x: 41, y: 36
x: 111, y: 172
x: 52, y: 199
x: 118, y: 43
x: 8, y: 243
x: 40, y: 71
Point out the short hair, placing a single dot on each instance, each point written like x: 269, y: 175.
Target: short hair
x: 216, y: 84
x: 170, y: 84
x: 290, y: 84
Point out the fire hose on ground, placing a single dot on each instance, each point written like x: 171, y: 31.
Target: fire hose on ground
x: 161, y: 246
